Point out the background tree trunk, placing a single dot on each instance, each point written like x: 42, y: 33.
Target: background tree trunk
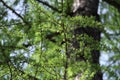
x: 88, y: 8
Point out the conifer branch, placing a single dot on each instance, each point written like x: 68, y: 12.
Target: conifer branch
x: 10, y: 8
x: 48, y: 5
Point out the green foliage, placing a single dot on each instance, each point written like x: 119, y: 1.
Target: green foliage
x: 29, y: 52
x: 110, y: 41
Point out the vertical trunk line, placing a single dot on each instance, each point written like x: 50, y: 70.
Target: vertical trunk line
x: 88, y: 8
x: 66, y: 46
x: 66, y: 52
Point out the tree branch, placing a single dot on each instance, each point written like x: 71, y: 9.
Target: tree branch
x: 11, y: 74
x: 113, y: 3
x: 14, y: 12
x: 22, y: 72
x: 48, y: 5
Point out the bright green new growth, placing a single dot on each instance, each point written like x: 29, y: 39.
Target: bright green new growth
x: 28, y: 51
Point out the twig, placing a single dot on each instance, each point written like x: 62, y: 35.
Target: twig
x: 66, y: 47
x: 50, y: 6
x: 10, y: 71
x: 10, y: 8
x: 24, y: 73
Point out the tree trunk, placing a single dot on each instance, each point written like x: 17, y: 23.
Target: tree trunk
x: 88, y: 8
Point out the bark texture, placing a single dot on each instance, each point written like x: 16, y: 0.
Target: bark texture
x: 88, y: 8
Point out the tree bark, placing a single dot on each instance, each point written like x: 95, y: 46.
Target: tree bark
x: 88, y: 8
